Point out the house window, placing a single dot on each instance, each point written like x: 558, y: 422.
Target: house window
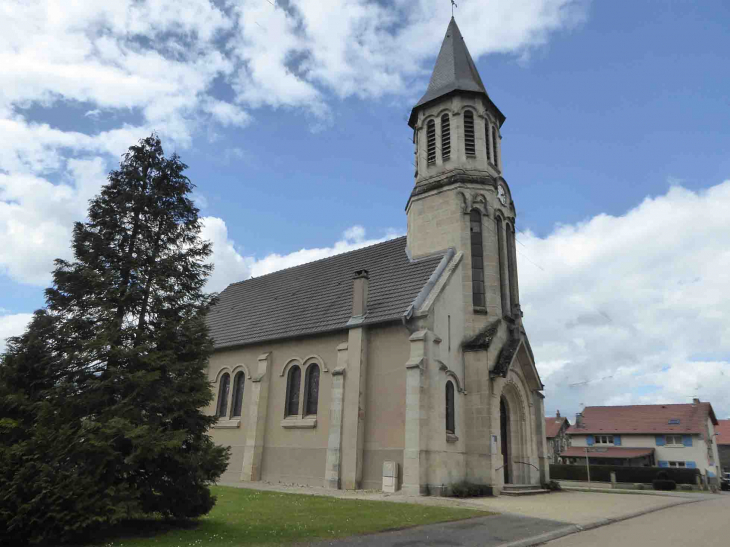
x: 431, y: 141
x: 450, y: 419
x: 469, y: 146
x: 445, y: 137
x: 477, y: 260
x: 294, y: 380
x: 677, y: 464
x: 238, y: 382
x: 223, y: 395
x: 674, y: 440
x: 494, y: 147
x: 604, y: 439
x: 311, y: 388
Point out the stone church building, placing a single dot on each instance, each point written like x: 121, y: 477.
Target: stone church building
x: 410, y: 351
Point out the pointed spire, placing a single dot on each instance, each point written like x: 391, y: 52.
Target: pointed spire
x: 454, y: 71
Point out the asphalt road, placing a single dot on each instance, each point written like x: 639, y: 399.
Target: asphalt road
x: 476, y: 532
x: 701, y: 524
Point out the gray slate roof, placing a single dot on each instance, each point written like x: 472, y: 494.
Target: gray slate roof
x: 317, y: 297
x: 454, y: 70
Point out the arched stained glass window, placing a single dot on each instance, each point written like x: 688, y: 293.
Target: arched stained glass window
x: 450, y: 414
x: 311, y: 388
x: 238, y: 383
x: 225, y: 384
x: 477, y: 259
x: 469, y: 146
x: 293, y: 383
x: 501, y: 262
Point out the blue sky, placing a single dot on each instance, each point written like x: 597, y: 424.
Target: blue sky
x: 618, y: 122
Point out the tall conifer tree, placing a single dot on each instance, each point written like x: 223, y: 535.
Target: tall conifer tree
x: 109, y: 382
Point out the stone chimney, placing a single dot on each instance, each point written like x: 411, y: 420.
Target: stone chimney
x: 579, y: 419
x: 557, y: 414
x: 360, y: 283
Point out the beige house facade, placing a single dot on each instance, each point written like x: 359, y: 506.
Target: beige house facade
x: 411, y: 351
x: 678, y: 435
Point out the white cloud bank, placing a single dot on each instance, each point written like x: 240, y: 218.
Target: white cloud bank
x: 636, y: 308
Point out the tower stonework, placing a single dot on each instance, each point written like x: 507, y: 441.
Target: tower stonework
x: 461, y: 203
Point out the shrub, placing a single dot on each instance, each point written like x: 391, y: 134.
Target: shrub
x: 465, y: 489
x: 602, y: 473
x: 664, y: 484
x: 553, y: 486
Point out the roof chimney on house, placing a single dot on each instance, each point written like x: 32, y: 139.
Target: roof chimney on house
x: 557, y: 414
x: 360, y: 293
x: 579, y: 419
x: 695, y: 401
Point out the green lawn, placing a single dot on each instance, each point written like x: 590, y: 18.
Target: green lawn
x: 252, y: 517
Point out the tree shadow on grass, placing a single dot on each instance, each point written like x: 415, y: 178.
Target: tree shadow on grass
x: 135, y: 528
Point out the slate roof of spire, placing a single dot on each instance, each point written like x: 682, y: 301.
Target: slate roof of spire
x: 317, y: 297
x: 454, y: 71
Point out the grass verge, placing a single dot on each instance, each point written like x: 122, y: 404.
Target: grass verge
x: 252, y: 517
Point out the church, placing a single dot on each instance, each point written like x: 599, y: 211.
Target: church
x: 404, y: 363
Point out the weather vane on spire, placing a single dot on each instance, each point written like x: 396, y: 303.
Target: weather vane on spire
x: 453, y: 5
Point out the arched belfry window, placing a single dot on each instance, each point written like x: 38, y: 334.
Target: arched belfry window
x: 238, y: 383
x: 477, y: 259
x: 487, y: 141
x: 450, y: 414
x: 445, y: 137
x: 293, y: 383
x: 311, y: 388
x: 469, y: 146
x: 494, y: 147
x: 503, y: 285
x: 431, y: 141
x: 225, y: 384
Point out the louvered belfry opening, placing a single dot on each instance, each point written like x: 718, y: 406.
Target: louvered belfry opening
x: 445, y: 137
x: 494, y: 146
x: 469, y: 134
x: 477, y: 260
x: 431, y: 141
x: 486, y: 141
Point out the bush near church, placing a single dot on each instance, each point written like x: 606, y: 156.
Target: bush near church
x: 101, y: 397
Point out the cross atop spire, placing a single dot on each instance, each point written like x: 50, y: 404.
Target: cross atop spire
x: 454, y: 71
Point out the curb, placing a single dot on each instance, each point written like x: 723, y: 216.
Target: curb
x: 576, y: 528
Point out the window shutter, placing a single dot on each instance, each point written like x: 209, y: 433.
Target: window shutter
x: 687, y: 440
x: 469, y: 143
x: 617, y: 440
x: 660, y: 440
x: 590, y: 440
x: 663, y: 464
x: 691, y: 465
x: 431, y: 141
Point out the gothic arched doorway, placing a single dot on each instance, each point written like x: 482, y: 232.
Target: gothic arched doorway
x: 504, y: 436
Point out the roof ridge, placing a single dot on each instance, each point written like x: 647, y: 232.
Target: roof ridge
x: 646, y: 405
x: 331, y: 257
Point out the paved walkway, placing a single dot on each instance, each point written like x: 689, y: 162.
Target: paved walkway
x: 703, y: 524
x: 568, y: 506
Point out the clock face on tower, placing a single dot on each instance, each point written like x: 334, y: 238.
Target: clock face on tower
x: 502, y: 195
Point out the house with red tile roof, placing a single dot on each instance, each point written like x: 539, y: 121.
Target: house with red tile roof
x: 723, y: 444
x: 681, y: 435
x: 556, y: 428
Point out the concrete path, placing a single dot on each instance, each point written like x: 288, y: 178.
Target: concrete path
x: 704, y: 524
x: 477, y: 532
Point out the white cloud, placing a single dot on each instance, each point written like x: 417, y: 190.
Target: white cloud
x: 633, y: 308
x: 12, y: 325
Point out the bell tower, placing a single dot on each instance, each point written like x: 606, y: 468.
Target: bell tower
x: 460, y: 199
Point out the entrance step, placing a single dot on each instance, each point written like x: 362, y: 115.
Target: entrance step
x: 522, y: 490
